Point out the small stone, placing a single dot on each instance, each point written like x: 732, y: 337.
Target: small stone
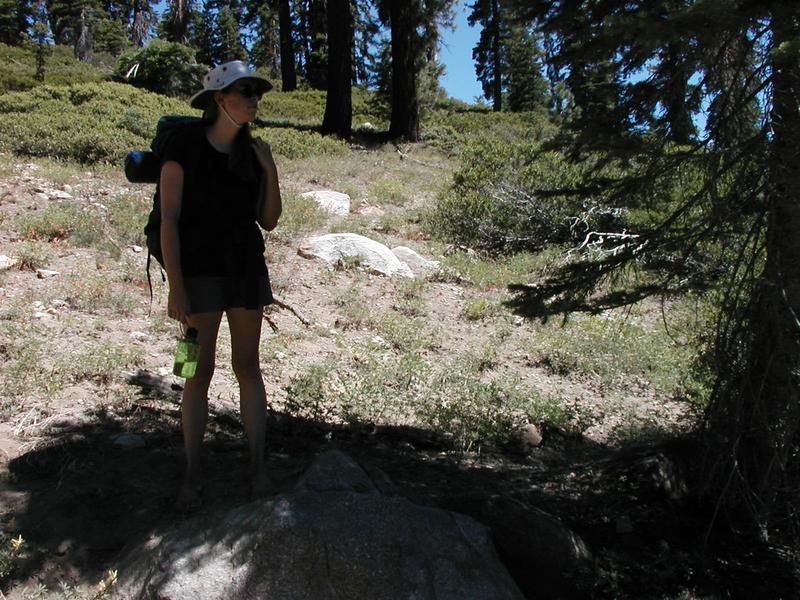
x: 42, y: 315
x: 139, y: 335
x: 136, y: 248
x: 67, y: 188
x: 280, y: 355
x: 59, y: 195
x: 46, y: 273
x: 164, y: 371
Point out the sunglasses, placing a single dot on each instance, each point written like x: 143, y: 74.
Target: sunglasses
x: 248, y: 90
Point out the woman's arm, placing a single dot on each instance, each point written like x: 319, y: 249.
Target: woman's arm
x: 171, y: 190
x: 269, y: 207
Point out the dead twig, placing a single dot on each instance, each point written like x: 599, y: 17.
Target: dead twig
x: 283, y: 304
x: 407, y: 156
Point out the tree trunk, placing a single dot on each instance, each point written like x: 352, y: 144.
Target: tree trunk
x: 497, y: 59
x: 288, y: 73
x: 139, y: 27
x: 404, y: 18
x: 179, y: 21
x: 753, y: 434
x: 338, y: 105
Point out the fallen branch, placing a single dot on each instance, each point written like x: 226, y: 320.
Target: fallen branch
x: 407, y: 156
x: 282, y: 304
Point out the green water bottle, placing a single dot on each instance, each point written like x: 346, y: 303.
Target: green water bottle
x: 186, y: 355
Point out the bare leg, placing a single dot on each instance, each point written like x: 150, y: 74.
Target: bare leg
x: 245, y: 326
x: 194, y: 405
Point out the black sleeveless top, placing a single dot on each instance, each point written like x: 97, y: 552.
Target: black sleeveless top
x: 219, y: 235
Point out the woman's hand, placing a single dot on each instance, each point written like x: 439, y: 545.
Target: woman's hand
x: 177, y: 304
x: 264, y: 155
x: 268, y: 205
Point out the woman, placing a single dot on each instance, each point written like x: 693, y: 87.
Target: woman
x: 216, y: 183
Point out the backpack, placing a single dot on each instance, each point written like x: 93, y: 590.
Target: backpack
x: 143, y: 166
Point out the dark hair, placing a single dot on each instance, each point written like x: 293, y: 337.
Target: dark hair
x: 241, y: 159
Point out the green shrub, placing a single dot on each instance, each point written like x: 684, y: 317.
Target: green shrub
x: 293, y: 143
x: 452, y: 126
x: 33, y: 254
x: 474, y: 412
x: 477, y: 309
x: 54, y: 222
x: 508, y: 197
x: 126, y: 214
x: 622, y: 352
x: 161, y: 67
x: 300, y: 215
x: 85, y: 123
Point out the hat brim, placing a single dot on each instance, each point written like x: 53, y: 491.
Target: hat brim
x: 200, y: 99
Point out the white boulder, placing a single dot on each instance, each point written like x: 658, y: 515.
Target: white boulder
x: 333, y: 248
x: 414, y: 260
x: 336, y: 203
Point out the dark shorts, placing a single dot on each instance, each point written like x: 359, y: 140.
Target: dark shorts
x: 215, y: 294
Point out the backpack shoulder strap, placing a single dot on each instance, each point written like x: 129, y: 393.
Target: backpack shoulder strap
x: 168, y: 127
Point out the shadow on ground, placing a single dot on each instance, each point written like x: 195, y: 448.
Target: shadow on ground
x: 81, y: 500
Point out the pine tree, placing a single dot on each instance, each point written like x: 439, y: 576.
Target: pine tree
x: 111, y: 36
x: 264, y: 50
x: 228, y: 40
x: 525, y: 86
x: 508, y: 58
x: 176, y: 21
x: 142, y: 22
x: 16, y: 17
x: 746, y: 204
x: 39, y: 34
x: 202, y: 37
x: 316, y: 62
x: 489, y: 52
x: 365, y: 30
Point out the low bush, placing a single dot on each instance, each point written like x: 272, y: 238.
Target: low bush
x: 513, y: 196
x: 619, y: 351
x: 292, y: 143
x: 85, y: 123
x: 450, y: 398
x: 452, y: 127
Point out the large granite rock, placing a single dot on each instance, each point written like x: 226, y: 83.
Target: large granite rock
x: 334, y: 248
x: 336, y: 203
x: 337, y: 535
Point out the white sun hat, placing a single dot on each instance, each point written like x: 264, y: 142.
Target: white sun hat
x: 222, y: 76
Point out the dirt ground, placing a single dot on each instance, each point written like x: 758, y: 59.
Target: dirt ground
x: 93, y: 469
